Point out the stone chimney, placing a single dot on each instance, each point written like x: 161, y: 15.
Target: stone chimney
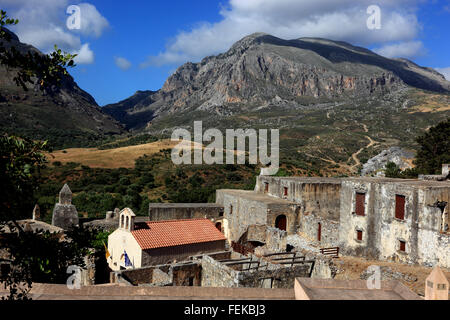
x: 436, y: 285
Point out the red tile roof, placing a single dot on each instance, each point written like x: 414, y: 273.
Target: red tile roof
x: 169, y: 233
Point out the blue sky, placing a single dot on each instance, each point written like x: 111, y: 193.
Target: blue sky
x: 125, y: 47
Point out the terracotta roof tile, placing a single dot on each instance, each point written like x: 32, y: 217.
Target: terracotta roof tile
x: 169, y: 233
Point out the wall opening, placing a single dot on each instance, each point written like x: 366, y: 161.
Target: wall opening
x: 219, y: 226
x: 266, y: 187
x: 399, y: 207
x: 121, y: 221
x: 280, y: 222
x: 360, y: 204
x: 319, y: 232
x: 285, y: 191
x: 402, y: 245
x: 359, y: 235
x: 231, y: 209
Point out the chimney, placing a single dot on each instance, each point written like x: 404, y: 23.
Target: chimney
x: 436, y: 285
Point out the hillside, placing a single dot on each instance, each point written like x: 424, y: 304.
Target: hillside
x: 66, y: 116
x: 336, y: 105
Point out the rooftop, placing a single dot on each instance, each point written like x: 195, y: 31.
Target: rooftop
x: 257, y: 196
x: 170, y: 233
x: 410, y: 182
x: 119, y: 292
x: 184, y: 205
x: 332, y: 289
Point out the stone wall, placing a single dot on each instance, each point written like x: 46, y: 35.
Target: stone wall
x: 382, y: 231
x: 177, y: 211
x: 179, y: 253
x: 269, y: 275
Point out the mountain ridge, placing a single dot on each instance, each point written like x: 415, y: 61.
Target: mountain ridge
x: 261, y: 67
x: 67, y: 110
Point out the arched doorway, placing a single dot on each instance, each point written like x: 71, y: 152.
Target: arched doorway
x: 219, y: 226
x: 280, y: 222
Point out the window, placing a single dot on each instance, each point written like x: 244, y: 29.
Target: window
x: 441, y: 286
x: 360, y: 203
x: 319, y: 232
x: 127, y: 219
x: 231, y: 209
x: 359, y: 235
x: 430, y: 284
x: 280, y: 222
x: 191, y: 281
x: 402, y: 246
x: 121, y: 221
x: 285, y: 191
x: 400, y: 207
x: 266, y: 187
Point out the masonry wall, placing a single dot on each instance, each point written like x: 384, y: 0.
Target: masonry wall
x: 179, y: 253
x: 382, y: 231
x: 177, y: 211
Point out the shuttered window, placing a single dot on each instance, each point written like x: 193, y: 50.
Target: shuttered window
x: 400, y: 207
x: 359, y: 235
x: 402, y: 245
x: 360, y: 203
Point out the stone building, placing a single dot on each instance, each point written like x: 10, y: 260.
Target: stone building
x: 160, y: 242
x: 387, y: 219
x: 65, y: 214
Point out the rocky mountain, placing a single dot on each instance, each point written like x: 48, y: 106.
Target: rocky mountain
x: 261, y: 71
x: 66, y: 116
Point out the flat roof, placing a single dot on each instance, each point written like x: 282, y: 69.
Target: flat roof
x: 332, y: 289
x: 184, y: 205
x: 410, y: 182
x: 257, y: 196
x: 120, y: 292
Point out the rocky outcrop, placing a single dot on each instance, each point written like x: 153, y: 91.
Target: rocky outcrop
x: 402, y: 158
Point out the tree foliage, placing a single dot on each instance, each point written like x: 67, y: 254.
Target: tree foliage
x: 434, y: 149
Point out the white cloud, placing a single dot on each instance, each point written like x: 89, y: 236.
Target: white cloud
x: 445, y: 72
x: 409, y: 49
x: 42, y: 23
x: 92, y: 22
x: 343, y: 20
x: 122, y: 63
x: 85, y: 55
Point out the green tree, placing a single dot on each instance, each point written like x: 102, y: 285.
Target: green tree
x: 392, y: 170
x: 434, y: 149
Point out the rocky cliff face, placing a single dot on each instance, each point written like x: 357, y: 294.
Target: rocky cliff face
x: 35, y: 113
x: 260, y: 70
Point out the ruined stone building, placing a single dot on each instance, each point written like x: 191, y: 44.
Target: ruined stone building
x: 160, y: 242
x: 386, y: 219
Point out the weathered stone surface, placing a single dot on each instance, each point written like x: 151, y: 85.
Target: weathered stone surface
x: 65, y: 214
x: 402, y: 158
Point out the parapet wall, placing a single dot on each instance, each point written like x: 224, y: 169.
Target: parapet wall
x: 178, y: 211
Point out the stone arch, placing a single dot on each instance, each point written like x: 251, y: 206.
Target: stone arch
x: 281, y: 222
